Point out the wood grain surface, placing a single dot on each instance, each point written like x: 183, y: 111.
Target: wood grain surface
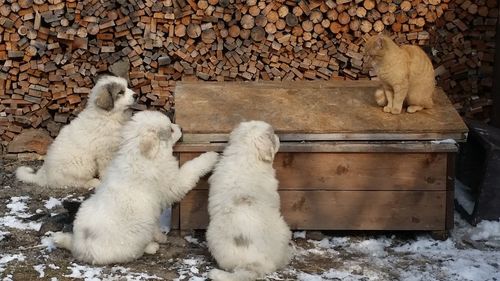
x: 355, y: 171
x: 319, y: 110
x: 341, y: 210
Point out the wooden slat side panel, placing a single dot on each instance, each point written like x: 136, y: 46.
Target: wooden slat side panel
x: 450, y: 191
x: 356, y: 171
x: 175, y: 217
x: 361, y: 171
x: 194, y: 210
x: 342, y: 210
x: 365, y: 210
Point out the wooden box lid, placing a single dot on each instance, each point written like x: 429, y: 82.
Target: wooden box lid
x: 307, y: 110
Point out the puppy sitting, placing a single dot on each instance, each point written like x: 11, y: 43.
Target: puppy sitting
x: 83, y: 149
x: 247, y: 234
x: 120, y: 221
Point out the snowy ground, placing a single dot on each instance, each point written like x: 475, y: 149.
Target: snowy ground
x: 472, y: 253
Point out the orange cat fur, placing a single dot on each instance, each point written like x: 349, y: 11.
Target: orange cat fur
x: 406, y: 74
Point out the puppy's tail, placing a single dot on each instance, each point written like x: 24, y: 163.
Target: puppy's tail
x: 63, y: 240
x: 27, y: 174
x: 239, y: 274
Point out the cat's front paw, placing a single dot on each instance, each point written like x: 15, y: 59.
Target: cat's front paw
x: 387, y: 109
x: 396, y: 110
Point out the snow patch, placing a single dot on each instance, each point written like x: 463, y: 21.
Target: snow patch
x: 17, y: 205
x: 308, y: 277
x: 299, y: 234
x: 3, y: 234
x: 40, y: 269
x: 189, y: 269
x: 371, y: 247
x: 117, y: 273
x: 84, y: 272
x: 52, y: 202
x: 486, y: 230
x: 192, y: 240
x: 6, y: 258
x: 17, y: 211
x: 444, y: 141
x: 426, y: 244
x: 473, y: 270
x: 53, y: 266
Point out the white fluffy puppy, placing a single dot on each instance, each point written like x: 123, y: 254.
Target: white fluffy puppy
x: 247, y: 235
x: 120, y: 222
x: 83, y: 149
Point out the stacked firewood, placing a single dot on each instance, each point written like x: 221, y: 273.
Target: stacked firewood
x: 51, y: 50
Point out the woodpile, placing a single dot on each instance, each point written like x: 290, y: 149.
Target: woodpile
x: 51, y: 50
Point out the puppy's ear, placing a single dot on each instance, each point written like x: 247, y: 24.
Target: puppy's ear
x: 380, y: 41
x: 104, y: 98
x: 149, y: 144
x: 164, y: 135
x: 265, y: 147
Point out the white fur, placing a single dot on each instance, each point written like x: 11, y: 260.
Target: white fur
x: 120, y: 222
x: 247, y: 235
x: 83, y: 149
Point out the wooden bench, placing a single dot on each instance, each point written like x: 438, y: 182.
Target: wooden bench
x: 343, y: 164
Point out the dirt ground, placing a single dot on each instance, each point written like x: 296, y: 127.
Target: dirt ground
x: 320, y: 256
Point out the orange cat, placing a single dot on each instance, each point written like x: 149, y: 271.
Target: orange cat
x: 406, y: 74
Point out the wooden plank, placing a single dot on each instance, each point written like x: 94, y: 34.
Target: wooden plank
x: 206, y: 138
x: 355, y: 171
x: 336, y: 146
x: 341, y: 210
x: 333, y: 109
x: 450, y: 191
x: 175, y: 217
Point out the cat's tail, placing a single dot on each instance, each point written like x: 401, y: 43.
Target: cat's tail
x: 63, y: 240
x: 380, y: 97
x: 28, y: 174
x: 239, y: 274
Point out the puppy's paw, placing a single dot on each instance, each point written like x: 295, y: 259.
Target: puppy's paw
x: 387, y: 109
x: 218, y: 275
x: 152, y: 248
x: 160, y: 237
x: 62, y: 240
x: 208, y: 160
x: 93, y: 183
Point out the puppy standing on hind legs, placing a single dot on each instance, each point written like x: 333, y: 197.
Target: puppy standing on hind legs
x: 84, y: 148
x: 120, y: 222
x: 246, y: 234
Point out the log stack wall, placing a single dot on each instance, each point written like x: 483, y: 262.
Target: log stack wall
x: 51, y: 50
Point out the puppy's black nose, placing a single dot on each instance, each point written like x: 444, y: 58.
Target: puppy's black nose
x: 135, y: 95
